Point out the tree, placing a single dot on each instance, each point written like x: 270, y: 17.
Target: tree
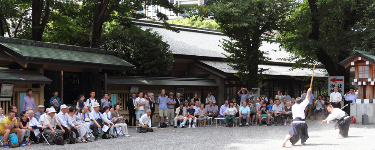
x: 144, y: 49
x: 102, y: 10
x: 40, y: 14
x: 12, y: 15
x: 327, y: 31
x: 195, y: 22
x: 247, y: 23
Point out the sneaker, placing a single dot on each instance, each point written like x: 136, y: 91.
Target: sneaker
x: 22, y: 144
x: 240, y: 124
x: 284, y: 123
x: 260, y: 124
x: 5, y: 146
x: 268, y: 125
x: 247, y: 124
x: 175, y: 126
x: 78, y: 141
x: 189, y: 126
x: 181, y: 125
x: 127, y: 135
x: 193, y: 126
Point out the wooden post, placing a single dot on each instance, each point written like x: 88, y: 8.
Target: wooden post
x: 105, y: 82
x: 62, y: 88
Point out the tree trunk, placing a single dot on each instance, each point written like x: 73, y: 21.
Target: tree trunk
x: 2, y: 31
x: 37, y: 24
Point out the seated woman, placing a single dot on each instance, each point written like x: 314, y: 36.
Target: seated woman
x: 191, y: 115
x: 230, y: 114
x: 106, y: 114
x: 202, y: 115
x: 24, y: 126
x: 81, y: 128
x: 119, y: 120
x: 287, y: 113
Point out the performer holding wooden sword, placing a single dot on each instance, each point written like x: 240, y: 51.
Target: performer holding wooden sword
x: 343, y: 123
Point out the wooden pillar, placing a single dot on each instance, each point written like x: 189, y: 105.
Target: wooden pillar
x: 105, y: 82
x: 369, y: 89
x: 62, y: 87
x: 360, y: 91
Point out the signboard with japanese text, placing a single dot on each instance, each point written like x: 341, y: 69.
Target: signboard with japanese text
x: 336, y: 81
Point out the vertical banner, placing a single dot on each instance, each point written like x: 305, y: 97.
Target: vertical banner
x: 114, y: 99
x: 22, y: 95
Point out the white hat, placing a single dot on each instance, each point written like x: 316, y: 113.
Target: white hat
x: 95, y: 104
x: 63, y: 106
x: 40, y: 106
x: 50, y: 110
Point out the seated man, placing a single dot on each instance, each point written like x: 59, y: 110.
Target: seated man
x: 181, y: 116
x: 244, y: 113
x: 264, y: 112
x: 212, y: 109
x: 191, y: 115
x: 145, y: 119
x: 97, y: 120
x: 277, y: 110
x: 49, y: 124
x: 10, y: 124
x: 65, y: 122
x: 319, y: 107
x: 222, y: 111
x: 253, y: 111
x: 40, y: 112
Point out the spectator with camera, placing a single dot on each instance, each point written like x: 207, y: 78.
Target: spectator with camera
x: 106, y: 101
x: 10, y: 124
x: 279, y: 96
x: 243, y: 93
x: 264, y: 113
x: 319, y: 106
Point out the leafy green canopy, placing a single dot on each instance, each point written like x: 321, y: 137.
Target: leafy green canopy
x: 195, y: 22
x: 144, y: 49
x: 247, y: 23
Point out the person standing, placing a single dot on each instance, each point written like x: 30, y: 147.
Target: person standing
x: 287, y: 96
x: 170, y: 110
x: 279, y: 96
x: 106, y: 101
x: 335, y: 98
x: 90, y: 101
x: 131, y: 107
x: 350, y: 98
x: 151, y: 103
x: 243, y: 93
x: 178, y: 100
x: 162, y: 100
x: 28, y: 101
x: 55, y: 101
x: 141, y: 102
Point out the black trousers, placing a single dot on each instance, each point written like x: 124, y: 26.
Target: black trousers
x: 95, y: 129
x: 338, y: 105
x: 66, y: 134
x: 279, y: 118
x: 152, y: 111
x: 347, y: 108
x: 132, y: 119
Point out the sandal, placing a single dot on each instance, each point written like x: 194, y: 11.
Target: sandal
x: 88, y: 140
x: 84, y: 141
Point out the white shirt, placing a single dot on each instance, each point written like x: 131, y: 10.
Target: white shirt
x: 196, y: 108
x: 351, y: 97
x: 107, y: 116
x: 89, y: 104
x: 335, y: 97
x: 318, y: 105
x: 299, y: 109
x: 1, y: 117
x: 277, y: 109
x: 337, y: 113
x: 145, y: 120
x: 42, y: 118
x: 34, y: 122
x: 48, y: 120
x: 282, y: 104
x: 140, y: 100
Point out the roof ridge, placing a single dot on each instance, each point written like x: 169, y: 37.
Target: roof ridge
x: 54, y: 45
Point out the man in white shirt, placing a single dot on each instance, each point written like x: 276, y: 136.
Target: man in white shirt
x: 90, y: 101
x: 145, y: 119
x: 343, y: 123
x: 298, y: 129
x: 350, y: 98
x: 319, y: 106
x: 50, y: 124
x: 65, y: 122
x: 335, y: 98
x: 287, y: 96
x: 141, y: 102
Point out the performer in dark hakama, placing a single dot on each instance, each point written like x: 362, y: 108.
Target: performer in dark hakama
x: 298, y: 129
x: 343, y: 123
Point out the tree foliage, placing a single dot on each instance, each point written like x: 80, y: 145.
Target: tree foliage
x: 13, y: 13
x: 327, y: 31
x: 247, y: 23
x: 142, y: 48
x: 195, y: 22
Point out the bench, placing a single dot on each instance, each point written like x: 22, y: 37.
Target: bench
x: 217, y: 120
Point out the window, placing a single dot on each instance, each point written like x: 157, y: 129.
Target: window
x: 363, y: 71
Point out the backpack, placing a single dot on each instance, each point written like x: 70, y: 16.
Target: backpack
x: 59, y: 140
x: 150, y: 130
x: 72, y: 138
x: 141, y: 130
x: 163, y: 125
x: 13, y: 140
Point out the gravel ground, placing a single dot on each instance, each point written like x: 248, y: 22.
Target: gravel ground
x: 264, y: 137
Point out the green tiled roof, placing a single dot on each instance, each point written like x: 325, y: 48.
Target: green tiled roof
x: 49, y: 53
x: 160, y: 81
x: 368, y: 55
x: 22, y: 76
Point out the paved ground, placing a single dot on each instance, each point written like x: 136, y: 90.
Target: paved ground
x: 264, y: 137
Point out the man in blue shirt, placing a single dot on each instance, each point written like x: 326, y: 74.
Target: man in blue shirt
x: 55, y: 101
x: 162, y: 100
x: 311, y: 104
x: 39, y: 113
x: 244, y: 113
